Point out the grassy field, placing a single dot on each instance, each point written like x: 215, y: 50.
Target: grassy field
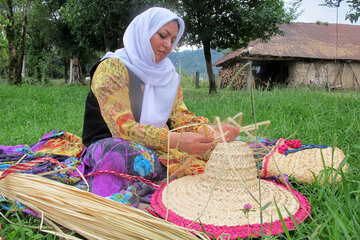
x: 317, y: 117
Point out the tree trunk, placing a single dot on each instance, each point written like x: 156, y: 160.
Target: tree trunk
x: 65, y: 70
x: 71, y: 78
x: 106, y: 39
x: 38, y: 73
x: 74, y: 70
x: 207, y: 53
x: 120, y: 33
x: 23, y: 69
x: 18, y: 77
x: 10, y: 35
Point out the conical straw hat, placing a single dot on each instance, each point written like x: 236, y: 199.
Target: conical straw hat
x: 218, y: 196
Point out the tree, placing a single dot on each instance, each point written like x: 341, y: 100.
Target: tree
x: 15, y: 20
x: 354, y: 5
x: 225, y: 24
x: 4, y: 53
x: 354, y: 13
x: 40, y: 41
x: 98, y: 24
x: 101, y: 24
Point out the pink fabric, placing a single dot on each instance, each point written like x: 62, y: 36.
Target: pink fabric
x: 235, y: 232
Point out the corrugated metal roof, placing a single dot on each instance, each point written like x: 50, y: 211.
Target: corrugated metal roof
x: 305, y: 40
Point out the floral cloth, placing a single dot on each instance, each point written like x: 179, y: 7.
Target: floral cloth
x: 121, y: 157
x: 58, y: 150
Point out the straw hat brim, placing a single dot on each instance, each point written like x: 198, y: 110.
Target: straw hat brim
x: 184, y: 199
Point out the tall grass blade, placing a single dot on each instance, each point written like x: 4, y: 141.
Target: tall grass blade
x: 286, y: 230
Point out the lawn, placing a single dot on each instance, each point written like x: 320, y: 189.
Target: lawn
x: 313, y: 116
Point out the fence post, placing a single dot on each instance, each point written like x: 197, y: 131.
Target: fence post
x: 197, y: 79
x: 249, y: 77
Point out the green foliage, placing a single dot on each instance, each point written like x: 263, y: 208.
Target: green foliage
x: 324, y: 23
x: 90, y: 20
x: 354, y: 13
x: 100, y: 25
x: 354, y: 5
x: 293, y: 11
x: 231, y: 24
x: 14, y: 20
x: 4, y: 51
x: 40, y: 54
x: 25, y: 227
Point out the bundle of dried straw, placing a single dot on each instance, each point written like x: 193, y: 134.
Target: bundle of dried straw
x: 90, y: 215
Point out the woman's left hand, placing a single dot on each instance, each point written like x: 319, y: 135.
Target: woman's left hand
x: 230, y: 132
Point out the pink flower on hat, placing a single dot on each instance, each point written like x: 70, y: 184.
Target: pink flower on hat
x: 293, y: 143
x: 283, y: 148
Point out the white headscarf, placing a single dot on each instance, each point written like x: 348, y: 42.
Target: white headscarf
x: 160, y: 79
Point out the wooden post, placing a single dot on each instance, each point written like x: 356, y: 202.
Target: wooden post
x: 342, y: 74
x: 197, y: 79
x: 355, y: 75
x: 71, y: 72
x: 23, y: 68
x: 249, y: 77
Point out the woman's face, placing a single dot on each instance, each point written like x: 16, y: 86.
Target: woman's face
x: 163, y: 39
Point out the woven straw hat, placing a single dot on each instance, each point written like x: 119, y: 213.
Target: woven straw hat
x: 218, y: 196
x: 302, y: 165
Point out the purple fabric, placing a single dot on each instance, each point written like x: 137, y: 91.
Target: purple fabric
x: 121, y: 156
x: 17, y: 149
x: 264, y: 141
x: 45, y: 138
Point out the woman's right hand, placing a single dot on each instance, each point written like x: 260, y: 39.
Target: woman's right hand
x: 192, y: 143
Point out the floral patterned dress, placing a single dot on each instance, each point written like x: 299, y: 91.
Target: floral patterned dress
x: 134, y: 149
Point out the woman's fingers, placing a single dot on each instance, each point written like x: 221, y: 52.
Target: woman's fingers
x: 195, y: 143
x: 198, y: 143
x: 232, y: 132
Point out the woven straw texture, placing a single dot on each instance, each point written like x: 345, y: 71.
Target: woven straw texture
x: 302, y: 165
x: 187, y: 197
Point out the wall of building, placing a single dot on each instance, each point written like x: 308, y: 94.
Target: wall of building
x: 342, y: 75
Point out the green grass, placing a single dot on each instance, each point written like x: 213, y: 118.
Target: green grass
x: 318, y: 117
x: 27, y: 112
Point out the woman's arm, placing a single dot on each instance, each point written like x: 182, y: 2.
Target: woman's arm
x: 110, y: 85
x: 181, y: 116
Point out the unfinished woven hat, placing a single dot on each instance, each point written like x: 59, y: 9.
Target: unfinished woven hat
x: 219, y: 200
x: 303, y: 162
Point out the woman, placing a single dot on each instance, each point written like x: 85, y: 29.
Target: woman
x: 134, y: 101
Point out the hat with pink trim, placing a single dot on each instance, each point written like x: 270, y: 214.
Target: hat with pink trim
x: 304, y: 162
x: 229, y: 200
